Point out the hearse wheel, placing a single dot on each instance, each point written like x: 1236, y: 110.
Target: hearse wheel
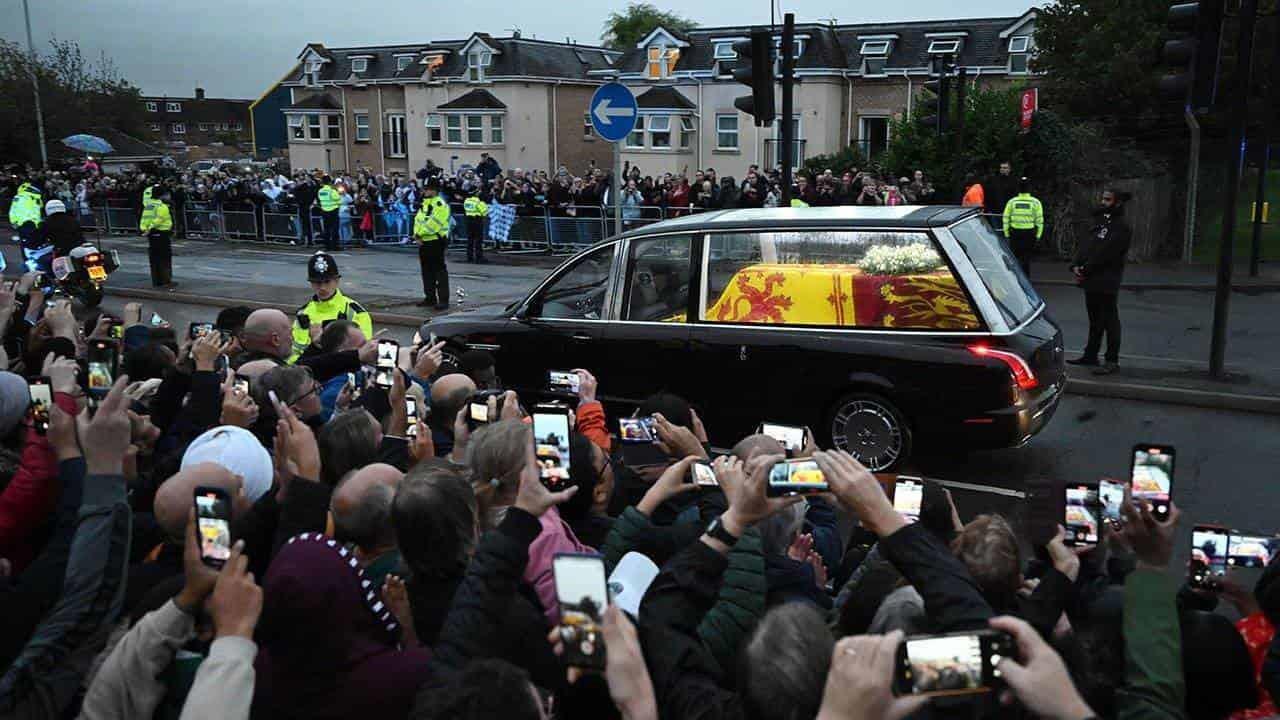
x: 872, y: 430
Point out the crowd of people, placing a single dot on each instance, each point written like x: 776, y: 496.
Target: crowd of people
x: 373, y: 564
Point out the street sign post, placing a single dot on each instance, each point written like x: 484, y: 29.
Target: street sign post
x: 613, y: 112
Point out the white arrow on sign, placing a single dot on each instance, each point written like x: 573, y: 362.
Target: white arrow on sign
x: 604, y: 113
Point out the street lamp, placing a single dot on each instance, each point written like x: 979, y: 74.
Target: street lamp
x: 35, y: 86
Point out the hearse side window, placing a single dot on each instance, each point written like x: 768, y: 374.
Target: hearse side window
x: 846, y: 278
x: 999, y: 270
x: 658, y: 279
x: 579, y: 292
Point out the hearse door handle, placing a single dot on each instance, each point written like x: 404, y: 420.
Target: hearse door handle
x: 582, y: 337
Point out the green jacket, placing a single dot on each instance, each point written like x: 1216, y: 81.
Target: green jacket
x: 740, y: 603
x: 25, y: 207
x: 155, y: 216
x: 1153, y: 681
x: 330, y: 199
x: 432, y: 221
x: 319, y: 312
x: 1024, y: 212
x: 475, y: 207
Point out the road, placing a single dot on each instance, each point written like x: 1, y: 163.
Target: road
x: 1226, y: 460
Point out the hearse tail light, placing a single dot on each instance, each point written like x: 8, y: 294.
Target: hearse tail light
x: 1022, y: 373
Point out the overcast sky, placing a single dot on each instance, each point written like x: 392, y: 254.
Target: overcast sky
x: 237, y: 48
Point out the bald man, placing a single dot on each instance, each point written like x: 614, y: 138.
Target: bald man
x: 173, y: 503
x: 449, y: 394
x: 268, y: 336
x: 361, y: 510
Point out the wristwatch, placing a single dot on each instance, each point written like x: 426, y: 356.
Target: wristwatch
x: 717, y: 530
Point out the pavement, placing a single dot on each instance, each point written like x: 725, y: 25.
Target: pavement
x: 1166, y: 309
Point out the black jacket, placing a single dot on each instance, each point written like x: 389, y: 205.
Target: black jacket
x: 1102, y: 252
x: 62, y: 232
x: 793, y: 581
x: 952, y: 598
x: 999, y: 191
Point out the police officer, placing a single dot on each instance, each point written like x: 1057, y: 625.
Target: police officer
x: 24, y: 216
x: 157, y: 224
x: 431, y: 230
x: 476, y: 211
x: 330, y: 201
x: 1023, y: 224
x: 326, y: 305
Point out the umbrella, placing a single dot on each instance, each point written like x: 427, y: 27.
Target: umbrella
x: 88, y: 143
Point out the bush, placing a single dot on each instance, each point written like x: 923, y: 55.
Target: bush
x: 838, y: 162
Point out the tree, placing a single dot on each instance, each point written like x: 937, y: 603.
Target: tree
x: 625, y: 29
x: 74, y: 94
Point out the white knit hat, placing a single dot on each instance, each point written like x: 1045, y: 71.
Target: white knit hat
x: 237, y: 450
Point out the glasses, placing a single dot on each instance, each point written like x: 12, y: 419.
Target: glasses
x: 315, y: 389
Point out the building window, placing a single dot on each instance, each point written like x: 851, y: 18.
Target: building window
x: 944, y: 47
x: 204, y: 127
x: 313, y: 67
x: 433, y: 129
x: 875, y: 47
x: 496, y: 135
x: 875, y: 55
x: 477, y: 61
x: 173, y: 107
x: 727, y: 132
x: 153, y: 127
x: 873, y: 136
x: 686, y: 132
x: 660, y: 131
x: 403, y: 61
x: 725, y: 51
x: 152, y: 107
x: 475, y: 129
x: 178, y: 128
x: 362, y: 127
x: 359, y: 65
x: 334, y: 126
x: 296, y: 130
x: 636, y: 138
x: 313, y: 127
x: 588, y: 132
x: 873, y: 67
x: 1019, y: 53
x: 661, y: 62
x: 238, y: 126
x: 453, y: 128
x: 797, y: 46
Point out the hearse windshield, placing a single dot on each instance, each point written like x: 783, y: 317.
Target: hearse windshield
x: 999, y: 270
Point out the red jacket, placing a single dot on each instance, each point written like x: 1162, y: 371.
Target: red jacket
x: 33, y: 492
x: 592, y: 426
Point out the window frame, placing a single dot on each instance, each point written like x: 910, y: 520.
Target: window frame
x: 667, y: 58
x: 152, y: 106
x: 359, y: 65
x: 315, y: 129
x: 953, y: 43
x: 403, y: 62
x: 638, y: 130
x: 737, y: 132
x: 333, y: 128
x: 867, y: 51
x: 731, y: 55
x: 173, y: 107
x: 450, y: 129
x: 359, y: 126
x: 1026, y: 44
x: 477, y: 61
x: 435, y: 130
x: 537, y: 298
x: 687, y: 131
x: 629, y: 260
x: 477, y: 127
x: 588, y: 130
x: 297, y: 126
x: 497, y: 130
x: 203, y: 127
x: 154, y: 127
x: 883, y: 70
x: 178, y: 128
x: 659, y: 125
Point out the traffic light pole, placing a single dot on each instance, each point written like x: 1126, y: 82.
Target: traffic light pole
x: 1226, y: 250
x: 1264, y: 163
x: 788, y: 83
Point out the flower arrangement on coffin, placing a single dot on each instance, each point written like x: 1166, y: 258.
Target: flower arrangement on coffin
x: 901, y: 260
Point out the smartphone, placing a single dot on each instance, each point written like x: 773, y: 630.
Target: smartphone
x: 1250, y: 551
x: 213, y: 525
x: 1151, y: 477
x: 792, y: 437
x: 1080, y: 520
x: 41, y: 402
x: 796, y: 477
x: 563, y: 381
x: 241, y: 384
x: 411, y: 413
x: 385, y: 366
x: 197, y: 329
x: 353, y: 386
x: 702, y: 475
x: 953, y: 664
x: 551, y: 446
x: 637, y: 430
x: 1208, y: 562
x: 221, y: 366
x: 583, y: 593
x: 478, y: 415
x: 908, y: 492
x: 156, y: 320
x: 1111, y: 499
x: 104, y: 362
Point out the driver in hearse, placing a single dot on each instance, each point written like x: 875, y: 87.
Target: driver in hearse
x: 655, y: 295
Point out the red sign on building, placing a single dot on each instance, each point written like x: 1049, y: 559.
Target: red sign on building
x: 1030, y: 103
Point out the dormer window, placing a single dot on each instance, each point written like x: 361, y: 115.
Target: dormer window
x: 875, y: 54
x: 173, y: 107
x: 313, y: 67
x: 724, y: 51
x: 403, y: 61
x: 944, y: 47
x: 477, y: 61
x: 359, y: 65
x: 1019, y: 54
x: 797, y: 46
x: 661, y: 62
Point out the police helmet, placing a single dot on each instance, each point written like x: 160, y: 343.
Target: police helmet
x: 54, y: 206
x: 322, y: 267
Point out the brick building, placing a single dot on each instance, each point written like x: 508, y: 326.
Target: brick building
x: 197, y: 120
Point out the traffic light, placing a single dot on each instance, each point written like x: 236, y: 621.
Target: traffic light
x: 1194, y: 50
x: 755, y: 70
x: 934, y: 103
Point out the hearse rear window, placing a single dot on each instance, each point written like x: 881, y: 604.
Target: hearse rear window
x: 999, y: 270
x: 846, y: 278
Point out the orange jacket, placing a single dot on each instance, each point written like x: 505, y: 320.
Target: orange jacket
x: 591, y: 423
x: 974, y: 196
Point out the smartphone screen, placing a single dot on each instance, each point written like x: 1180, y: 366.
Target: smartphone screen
x: 551, y: 446
x: 791, y: 437
x: 479, y: 413
x: 1111, y: 498
x: 563, y: 381
x: 156, y: 320
x: 907, y: 495
x: 411, y: 414
x: 241, y: 385
x: 198, y: 329
x: 583, y: 594
x: 796, y: 477
x: 385, y: 365
x: 1152, y: 477
x: 957, y: 664
x: 1081, y: 517
x: 702, y: 475
x: 637, y: 430
x: 1208, y: 557
x: 213, y: 523
x: 1250, y: 551
x: 104, y: 359
x: 41, y: 402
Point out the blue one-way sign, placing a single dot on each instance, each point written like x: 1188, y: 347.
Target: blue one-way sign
x: 613, y: 111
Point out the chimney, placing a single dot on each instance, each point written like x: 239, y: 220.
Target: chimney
x: 199, y: 93
x: 516, y: 34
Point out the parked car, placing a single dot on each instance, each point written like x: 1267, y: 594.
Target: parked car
x: 883, y: 329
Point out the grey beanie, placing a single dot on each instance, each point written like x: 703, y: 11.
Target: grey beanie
x: 15, y: 398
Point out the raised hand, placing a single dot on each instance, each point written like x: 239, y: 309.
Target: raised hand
x: 676, y: 440
x: 1150, y: 539
x: 236, y: 603
x: 858, y: 490
x: 860, y: 681
x: 429, y: 360
x: 672, y: 482
x: 1038, y: 677
x: 105, y: 438
x: 302, y: 453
